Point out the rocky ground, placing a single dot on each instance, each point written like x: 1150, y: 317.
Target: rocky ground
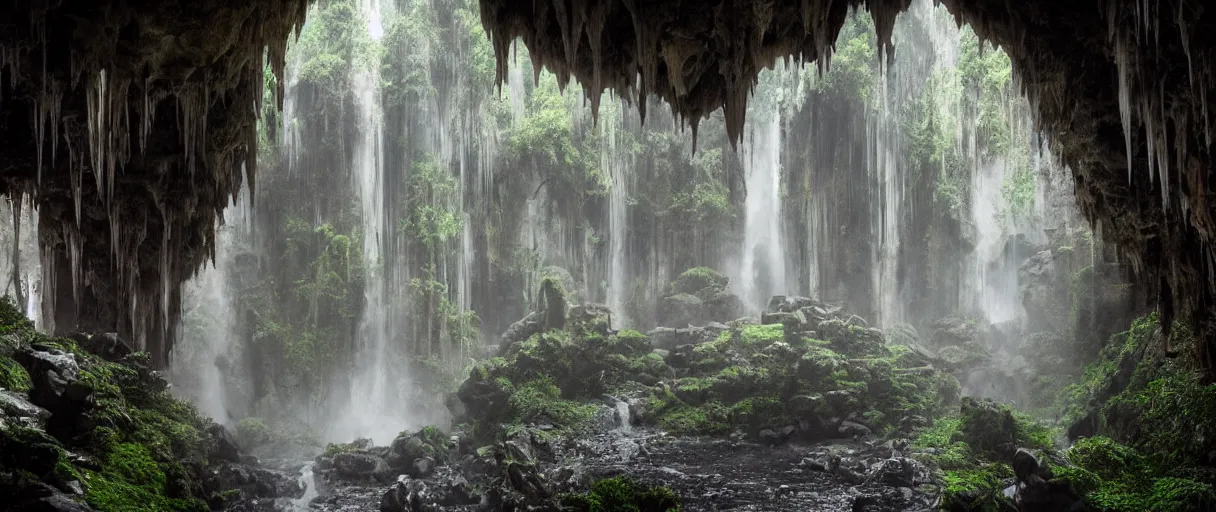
x: 803, y: 408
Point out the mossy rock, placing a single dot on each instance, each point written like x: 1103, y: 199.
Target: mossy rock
x: 252, y: 433
x: 487, y: 391
x: 680, y: 310
x: 13, y: 376
x: 989, y: 428
x: 703, y: 282
x: 540, y: 402
x: 630, y: 343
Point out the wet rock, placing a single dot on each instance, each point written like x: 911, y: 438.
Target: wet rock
x: 1026, y: 466
x: 590, y: 319
x: 44, y: 498
x: 108, y: 346
x: 484, y: 394
x: 680, y: 310
x: 422, y: 467
x: 250, y: 484
x: 51, y: 372
x: 794, y: 321
x: 14, y: 408
x: 354, y: 465
x: 222, y: 446
x: 898, y: 472
x: 520, y: 331
x: 404, y: 496
x: 1048, y: 496
x: 853, y: 429
x: 988, y: 427
x: 519, y: 448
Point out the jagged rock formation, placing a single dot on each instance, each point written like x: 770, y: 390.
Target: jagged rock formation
x: 1120, y: 87
x: 132, y: 125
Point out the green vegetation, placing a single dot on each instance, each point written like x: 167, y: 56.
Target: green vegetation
x: 147, y: 446
x: 622, y: 494
x: 697, y: 279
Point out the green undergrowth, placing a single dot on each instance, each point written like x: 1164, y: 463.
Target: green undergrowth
x: 1120, y: 478
x: 145, y: 446
x: 622, y: 494
x: 755, y: 377
x: 1151, y: 422
x: 974, y: 449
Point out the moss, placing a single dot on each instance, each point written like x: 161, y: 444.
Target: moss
x: 710, y: 418
x: 698, y: 279
x: 629, y: 342
x: 253, y: 432
x: 12, y: 318
x: 540, y: 401
x: 131, y: 479
x: 622, y: 494
x: 1119, y: 478
x: 13, y: 376
x: 977, y: 489
x: 554, y: 296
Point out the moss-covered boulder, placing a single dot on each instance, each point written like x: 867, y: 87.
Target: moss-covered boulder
x: 757, y: 377
x: 698, y: 296
x: 115, y: 432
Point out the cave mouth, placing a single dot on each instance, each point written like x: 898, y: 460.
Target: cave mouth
x: 954, y: 266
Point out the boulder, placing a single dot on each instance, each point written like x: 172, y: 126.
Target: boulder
x: 355, y: 465
x: 988, y: 428
x: 590, y: 319
x: 222, y: 446
x: 44, y: 498
x: 408, y: 447
x: 422, y: 467
x: 404, y: 496
x: 51, y: 372
x: 520, y: 331
x: 680, y: 310
x: 15, y: 409
x: 108, y: 346
x: 853, y: 429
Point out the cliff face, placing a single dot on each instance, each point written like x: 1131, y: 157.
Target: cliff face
x: 1120, y: 88
x: 132, y: 125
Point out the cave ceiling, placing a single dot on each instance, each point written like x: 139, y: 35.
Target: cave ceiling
x: 133, y: 124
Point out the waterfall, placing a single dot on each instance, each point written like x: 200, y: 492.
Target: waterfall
x: 610, y: 159
x: 206, y: 366
x: 762, y: 269
x: 376, y: 408
x: 19, y: 225
x: 883, y: 132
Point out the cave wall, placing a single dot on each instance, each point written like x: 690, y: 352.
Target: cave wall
x: 131, y: 125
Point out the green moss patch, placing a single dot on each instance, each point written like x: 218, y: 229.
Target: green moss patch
x: 622, y: 494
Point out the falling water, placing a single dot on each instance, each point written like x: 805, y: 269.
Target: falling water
x: 19, y: 225
x: 762, y: 272
x: 375, y: 411
x: 994, y: 282
x: 610, y: 159
x: 205, y: 365
x: 883, y: 131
